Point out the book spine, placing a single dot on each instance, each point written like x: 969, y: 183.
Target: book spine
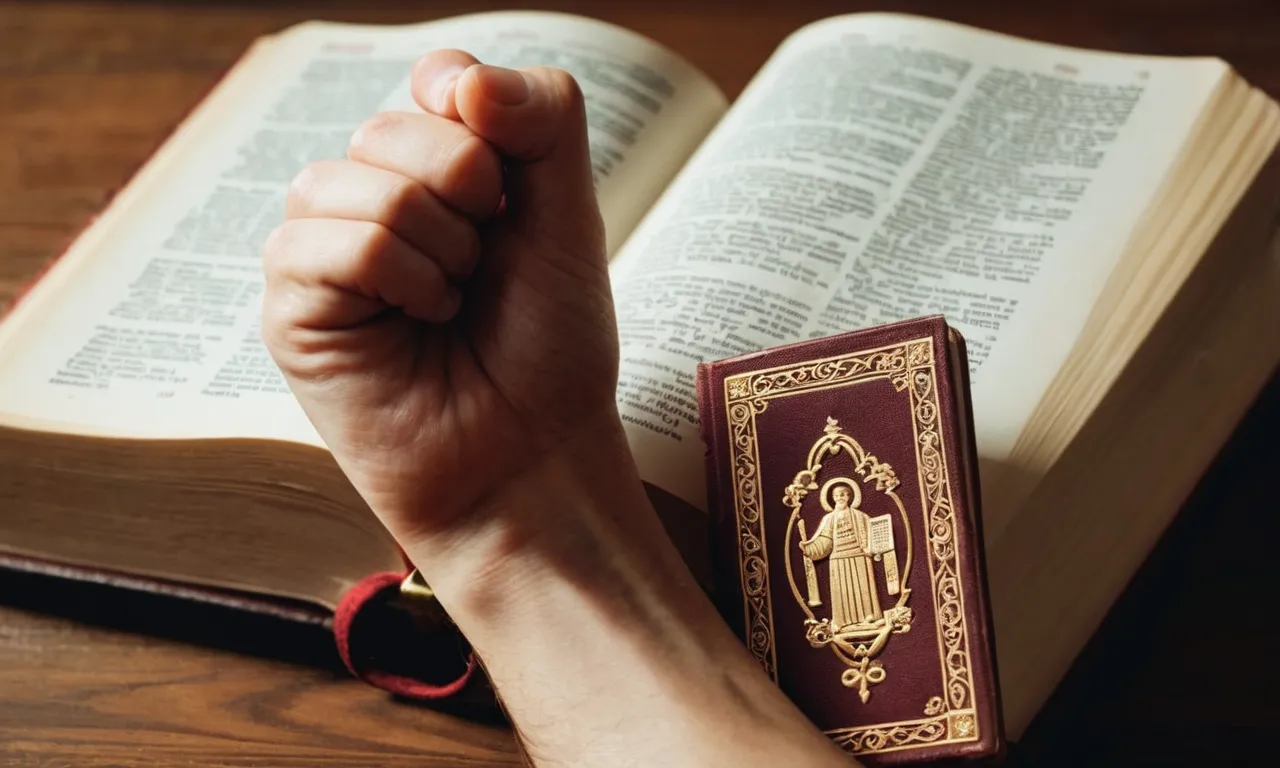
x: 706, y: 431
x: 288, y: 610
x: 720, y: 554
x: 962, y: 401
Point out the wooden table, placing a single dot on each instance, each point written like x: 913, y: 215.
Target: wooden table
x: 91, y: 677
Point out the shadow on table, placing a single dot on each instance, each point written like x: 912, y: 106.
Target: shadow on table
x: 1182, y: 671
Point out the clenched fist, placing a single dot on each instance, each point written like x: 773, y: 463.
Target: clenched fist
x: 439, y: 302
x: 440, y: 305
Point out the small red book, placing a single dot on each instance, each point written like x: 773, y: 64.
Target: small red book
x: 847, y: 537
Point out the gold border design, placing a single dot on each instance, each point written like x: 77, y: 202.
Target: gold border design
x: 910, y: 367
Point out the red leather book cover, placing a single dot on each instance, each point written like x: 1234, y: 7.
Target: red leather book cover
x: 847, y: 541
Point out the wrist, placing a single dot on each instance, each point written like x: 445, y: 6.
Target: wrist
x: 570, y: 591
x: 569, y: 508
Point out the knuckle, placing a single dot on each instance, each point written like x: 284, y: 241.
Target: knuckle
x: 428, y: 64
x: 275, y: 247
x: 566, y: 86
x: 303, y: 188
x: 275, y: 325
x: 283, y: 309
x: 370, y: 248
x: 473, y: 171
x: 372, y: 131
x: 402, y: 197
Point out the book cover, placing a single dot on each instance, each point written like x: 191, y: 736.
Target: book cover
x: 846, y: 536
x: 407, y: 647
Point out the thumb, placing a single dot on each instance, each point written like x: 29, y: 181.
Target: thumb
x: 532, y: 115
x: 536, y: 119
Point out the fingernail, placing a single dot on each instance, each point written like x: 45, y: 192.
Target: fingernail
x: 507, y: 86
x: 442, y: 89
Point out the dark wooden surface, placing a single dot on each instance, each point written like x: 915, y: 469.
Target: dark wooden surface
x: 1184, y: 671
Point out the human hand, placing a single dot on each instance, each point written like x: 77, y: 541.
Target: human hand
x: 439, y: 302
x: 440, y: 306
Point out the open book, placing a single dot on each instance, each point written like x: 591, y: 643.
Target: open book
x: 1090, y: 221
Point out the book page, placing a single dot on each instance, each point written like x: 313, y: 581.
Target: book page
x: 149, y: 326
x: 882, y: 167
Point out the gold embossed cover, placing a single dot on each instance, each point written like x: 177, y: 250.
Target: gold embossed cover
x: 847, y: 538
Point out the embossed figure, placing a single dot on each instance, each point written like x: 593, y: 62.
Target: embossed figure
x: 843, y: 537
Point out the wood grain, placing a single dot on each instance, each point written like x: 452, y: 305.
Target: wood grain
x: 84, y: 695
x: 93, y: 677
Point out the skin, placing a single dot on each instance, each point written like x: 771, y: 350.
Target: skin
x: 439, y: 303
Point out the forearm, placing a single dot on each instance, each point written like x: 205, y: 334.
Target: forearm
x: 602, y: 646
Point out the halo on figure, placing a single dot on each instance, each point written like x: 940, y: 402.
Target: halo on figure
x: 855, y: 493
